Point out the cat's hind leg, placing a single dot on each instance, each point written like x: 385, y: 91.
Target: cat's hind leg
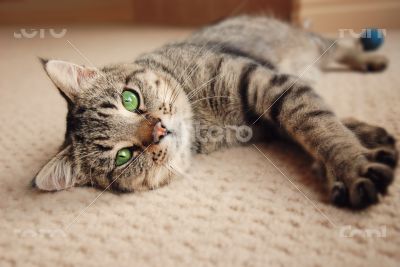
x: 349, y: 52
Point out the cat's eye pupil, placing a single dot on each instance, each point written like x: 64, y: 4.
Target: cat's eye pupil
x: 130, y: 100
x: 123, y: 156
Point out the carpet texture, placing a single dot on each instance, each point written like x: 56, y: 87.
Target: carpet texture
x: 234, y: 207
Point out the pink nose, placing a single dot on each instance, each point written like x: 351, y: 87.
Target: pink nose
x: 159, y: 132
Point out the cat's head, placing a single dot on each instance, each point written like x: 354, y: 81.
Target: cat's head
x: 128, y: 128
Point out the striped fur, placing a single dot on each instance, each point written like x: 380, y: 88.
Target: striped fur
x: 241, y: 71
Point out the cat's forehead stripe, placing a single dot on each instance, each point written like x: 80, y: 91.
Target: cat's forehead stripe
x: 133, y: 74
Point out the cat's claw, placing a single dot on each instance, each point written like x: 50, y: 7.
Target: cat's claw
x: 362, y: 191
x: 339, y: 195
x: 370, y: 176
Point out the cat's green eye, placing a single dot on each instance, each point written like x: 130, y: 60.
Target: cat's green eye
x: 123, y: 156
x: 130, y: 100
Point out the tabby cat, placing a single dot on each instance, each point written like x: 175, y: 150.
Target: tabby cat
x: 134, y: 126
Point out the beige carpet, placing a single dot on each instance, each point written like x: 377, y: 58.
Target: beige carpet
x: 234, y: 208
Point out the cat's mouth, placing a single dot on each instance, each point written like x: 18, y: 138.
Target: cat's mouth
x: 172, y: 127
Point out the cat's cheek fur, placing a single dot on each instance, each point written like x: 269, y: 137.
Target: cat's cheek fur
x: 171, y: 157
x: 157, y: 176
x: 181, y: 125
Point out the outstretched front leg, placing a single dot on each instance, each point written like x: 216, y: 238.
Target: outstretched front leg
x: 382, y: 149
x: 356, y: 173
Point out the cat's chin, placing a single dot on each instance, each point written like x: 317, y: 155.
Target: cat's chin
x: 178, y: 143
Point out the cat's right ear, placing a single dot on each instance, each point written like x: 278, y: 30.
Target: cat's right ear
x: 57, y: 174
x: 69, y: 78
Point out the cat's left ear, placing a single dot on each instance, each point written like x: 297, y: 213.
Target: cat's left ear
x: 69, y: 78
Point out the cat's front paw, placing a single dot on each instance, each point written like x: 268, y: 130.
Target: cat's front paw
x: 364, y: 179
